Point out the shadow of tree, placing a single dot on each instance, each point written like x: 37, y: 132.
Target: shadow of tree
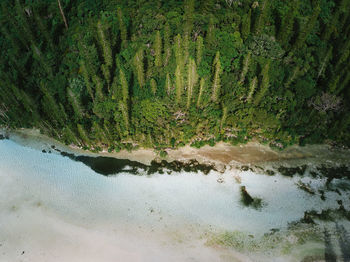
x: 329, y: 253
x: 344, y: 242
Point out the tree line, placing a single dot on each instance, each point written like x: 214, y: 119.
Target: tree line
x: 122, y: 74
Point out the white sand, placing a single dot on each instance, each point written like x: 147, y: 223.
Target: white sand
x: 55, y: 209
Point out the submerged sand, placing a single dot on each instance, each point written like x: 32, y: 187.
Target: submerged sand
x: 55, y: 209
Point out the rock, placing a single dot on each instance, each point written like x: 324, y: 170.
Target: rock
x: 220, y: 180
x: 44, y: 151
x: 220, y: 167
x: 3, y: 136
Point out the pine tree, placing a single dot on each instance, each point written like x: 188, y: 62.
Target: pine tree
x: 192, y: 79
x: 158, y: 49
x: 86, y: 77
x: 189, y: 9
x: 199, y: 50
x: 124, y: 109
x: 139, y: 67
x: 75, y: 103
x: 167, y: 46
x: 265, y: 83
x: 153, y: 84
x: 98, y: 87
x: 286, y: 31
x: 105, y: 44
x: 210, y: 38
x: 307, y: 27
x: 216, y: 80
x: 245, y: 26
x: 201, y: 90
x: 246, y: 62
x: 62, y: 13
x: 178, y: 51
x: 168, y: 84
x: 264, y: 9
x: 252, y: 87
x: 186, y: 49
x: 223, y: 118
x: 178, y: 84
x: 122, y: 28
x: 83, y: 136
x: 331, y: 26
x: 124, y: 86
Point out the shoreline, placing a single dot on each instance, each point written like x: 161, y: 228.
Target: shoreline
x: 221, y: 156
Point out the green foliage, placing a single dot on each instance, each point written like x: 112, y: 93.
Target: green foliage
x: 169, y: 73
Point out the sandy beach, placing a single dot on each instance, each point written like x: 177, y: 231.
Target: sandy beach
x: 222, y: 155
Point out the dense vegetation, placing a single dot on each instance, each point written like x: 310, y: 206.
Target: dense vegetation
x: 164, y: 73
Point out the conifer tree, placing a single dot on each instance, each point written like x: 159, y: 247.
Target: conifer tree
x: 83, y: 136
x: 245, y: 26
x: 186, y: 51
x: 216, y: 79
x: 167, y: 46
x: 123, y: 108
x: 139, y: 67
x: 189, y: 9
x: 264, y: 9
x: 252, y: 87
x: 223, y: 118
x: 210, y: 38
x: 124, y: 86
x: 168, y: 84
x: 307, y: 27
x: 86, y: 77
x: 331, y: 27
x: 199, y: 50
x: 105, y: 44
x: 75, y: 103
x: 192, y: 79
x: 178, y: 50
x: 201, y: 90
x: 122, y: 28
x: 98, y: 87
x: 178, y: 84
x: 265, y: 83
x: 153, y: 84
x: 286, y: 31
x: 158, y: 49
x: 246, y: 62
x: 69, y: 136
x: 62, y: 13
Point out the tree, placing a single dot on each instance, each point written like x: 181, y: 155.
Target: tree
x: 201, y: 90
x: 307, y: 27
x: 245, y: 67
x: 167, y: 47
x: 216, y: 79
x: 106, y: 45
x: 178, y: 84
x: 199, y: 50
x: 139, y: 71
x: 192, y: 79
x: 265, y: 83
x: 158, y: 49
x: 62, y: 14
x: 245, y: 26
x: 122, y: 27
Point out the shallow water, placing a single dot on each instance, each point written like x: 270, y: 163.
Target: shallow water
x: 57, y: 209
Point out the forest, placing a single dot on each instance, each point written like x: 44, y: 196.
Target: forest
x: 123, y: 74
